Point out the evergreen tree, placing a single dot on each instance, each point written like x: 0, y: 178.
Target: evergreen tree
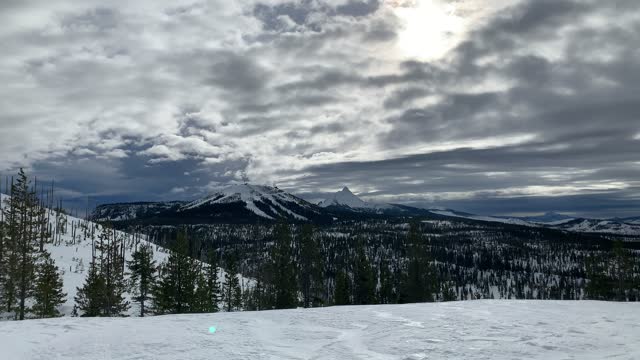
x: 201, y: 297
x: 342, y: 291
x: 143, y: 276
x: 90, y: 297
x: 232, y: 292
x: 48, y: 292
x: 386, y: 294
x: 213, y: 283
x: 622, y: 271
x: 111, y: 269
x: 310, y: 268
x: 283, y: 269
x: 177, y: 285
x: 23, y: 226
x: 365, y: 281
x: 419, y: 282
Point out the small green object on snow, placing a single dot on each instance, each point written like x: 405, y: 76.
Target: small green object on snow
x: 212, y: 329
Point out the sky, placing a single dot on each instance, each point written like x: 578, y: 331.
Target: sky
x: 499, y: 107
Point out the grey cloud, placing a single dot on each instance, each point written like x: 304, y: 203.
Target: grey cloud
x: 268, y: 87
x: 234, y: 72
x: 358, y: 8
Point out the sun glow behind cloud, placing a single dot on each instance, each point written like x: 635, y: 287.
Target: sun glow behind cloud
x: 430, y: 28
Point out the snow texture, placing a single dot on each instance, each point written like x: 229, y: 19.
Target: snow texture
x: 250, y: 195
x: 73, y: 257
x: 457, y: 330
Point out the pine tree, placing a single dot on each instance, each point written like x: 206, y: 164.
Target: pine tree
x: 283, y: 269
x: 232, y: 292
x: 143, y: 276
x: 342, y: 289
x: 201, y: 294
x: 365, y: 282
x: 213, y: 284
x: 386, y: 294
x: 112, y: 272
x: 419, y: 282
x: 310, y: 268
x: 23, y: 224
x: 176, y: 288
x: 90, y: 297
x: 48, y: 292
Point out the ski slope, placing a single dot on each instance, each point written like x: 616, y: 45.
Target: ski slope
x: 459, y: 330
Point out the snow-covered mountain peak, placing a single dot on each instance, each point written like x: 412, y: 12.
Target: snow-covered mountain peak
x: 345, y: 197
x: 265, y: 201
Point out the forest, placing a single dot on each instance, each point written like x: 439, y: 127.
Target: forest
x: 282, y: 265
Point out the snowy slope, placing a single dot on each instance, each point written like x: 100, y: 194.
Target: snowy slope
x: 600, y: 226
x: 73, y: 256
x: 264, y: 201
x: 345, y: 197
x: 463, y: 330
x: 549, y: 218
x: 512, y: 221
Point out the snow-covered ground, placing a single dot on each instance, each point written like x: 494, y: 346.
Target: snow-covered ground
x: 512, y: 221
x: 73, y: 257
x: 460, y: 330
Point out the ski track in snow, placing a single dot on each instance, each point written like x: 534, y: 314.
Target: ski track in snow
x: 487, y: 329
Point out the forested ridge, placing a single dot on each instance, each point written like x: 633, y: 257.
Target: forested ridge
x: 367, y: 261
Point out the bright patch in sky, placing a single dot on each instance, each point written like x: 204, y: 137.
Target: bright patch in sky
x: 430, y: 28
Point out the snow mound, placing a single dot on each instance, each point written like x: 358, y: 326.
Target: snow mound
x: 458, y: 330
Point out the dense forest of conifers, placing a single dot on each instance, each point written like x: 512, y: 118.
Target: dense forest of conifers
x: 378, y: 261
x: 459, y: 260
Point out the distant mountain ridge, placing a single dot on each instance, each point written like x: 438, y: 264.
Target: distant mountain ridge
x: 240, y: 203
x: 248, y: 203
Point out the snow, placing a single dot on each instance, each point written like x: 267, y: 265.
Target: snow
x: 457, y: 330
x: 601, y: 226
x: 512, y: 221
x: 73, y: 258
x: 345, y: 197
x: 250, y: 194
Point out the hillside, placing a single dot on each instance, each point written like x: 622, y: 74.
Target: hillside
x: 240, y: 203
x: 469, y: 330
x: 72, y: 252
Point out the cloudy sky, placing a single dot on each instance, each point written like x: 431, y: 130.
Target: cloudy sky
x: 488, y: 106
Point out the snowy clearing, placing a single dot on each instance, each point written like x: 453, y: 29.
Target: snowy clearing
x: 456, y: 330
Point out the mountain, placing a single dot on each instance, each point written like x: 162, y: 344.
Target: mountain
x: 346, y: 198
x: 553, y: 221
x: 630, y: 220
x: 496, y: 219
x: 599, y: 226
x: 132, y: 211
x: 345, y: 202
x: 253, y: 201
x: 548, y: 218
x: 249, y: 204
x: 241, y: 203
